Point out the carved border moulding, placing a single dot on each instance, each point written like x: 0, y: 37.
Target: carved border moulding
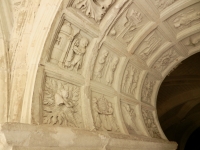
x: 131, y: 21
x: 130, y: 117
x: 70, y: 48
x: 162, y: 4
x: 147, y: 90
x: 130, y: 79
x: 106, y: 66
x: 184, y: 19
x: 104, y: 113
x: 95, y: 9
x: 150, y: 123
x: 165, y: 60
x: 61, y: 104
x: 149, y: 45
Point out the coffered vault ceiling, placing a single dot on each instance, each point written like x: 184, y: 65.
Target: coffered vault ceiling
x: 105, y: 57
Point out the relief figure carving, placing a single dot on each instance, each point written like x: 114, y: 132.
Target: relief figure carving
x: 75, y: 56
x: 95, y: 9
x: 98, y: 72
x: 61, y: 104
x: 129, y: 82
x: 111, y: 70
x: 103, y: 114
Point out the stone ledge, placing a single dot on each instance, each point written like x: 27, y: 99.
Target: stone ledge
x: 15, y: 136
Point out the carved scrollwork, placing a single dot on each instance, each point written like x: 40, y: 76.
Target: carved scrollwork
x: 162, y: 63
x: 130, y: 79
x: 103, y: 114
x: 193, y: 40
x: 95, y: 9
x: 150, y: 124
x: 61, y: 104
x: 147, y: 90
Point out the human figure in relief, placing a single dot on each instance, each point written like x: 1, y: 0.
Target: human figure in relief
x: 96, y: 113
x: 111, y: 71
x: 100, y: 65
x: 76, y: 53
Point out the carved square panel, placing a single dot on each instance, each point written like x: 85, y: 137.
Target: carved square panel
x: 130, y: 80
x: 185, y: 18
x: 106, y: 66
x: 61, y: 104
x: 70, y: 47
x: 165, y: 60
x: 104, y: 112
x: 130, y: 116
x: 150, y: 124
x: 128, y: 24
x: 163, y: 4
x: 192, y: 41
x: 150, y: 45
x: 147, y: 90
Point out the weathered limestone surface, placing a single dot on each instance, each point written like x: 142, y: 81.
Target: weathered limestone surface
x: 84, y: 74
x: 42, y: 137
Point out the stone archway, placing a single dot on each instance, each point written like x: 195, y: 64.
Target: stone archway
x: 98, y: 66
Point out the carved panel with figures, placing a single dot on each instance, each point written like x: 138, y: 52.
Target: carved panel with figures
x: 130, y: 117
x: 70, y: 48
x: 128, y: 25
x: 147, y: 90
x: 130, y: 79
x: 150, y: 123
x: 165, y: 60
x: 104, y: 113
x: 105, y: 67
x: 61, y: 104
x: 95, y: 9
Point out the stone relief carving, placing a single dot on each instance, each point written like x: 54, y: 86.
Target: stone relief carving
x: 70, y: 48
x: 125, y: 27
x: 162, y: 4
x: 150, y: 124
x: 151, y: 46
x: 103, y: 114
x: 129, y: 117
x: 61, y: 104
x: 101, y: 62
x: 162, y: 63
x: 147, y: 90
x: 95, y: 9
x: 105, y: 67
x: 193, y: 40
x: 186, y: 19
x: 130, y: 78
